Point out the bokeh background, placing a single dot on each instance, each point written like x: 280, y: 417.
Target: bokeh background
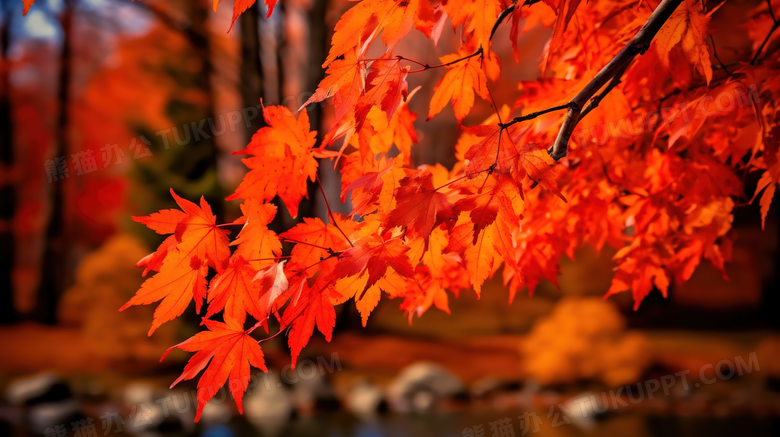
x: 107, y: 104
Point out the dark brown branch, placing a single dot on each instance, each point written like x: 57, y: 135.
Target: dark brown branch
x: 771, y: 12
x: 715, y: 52
x: 594, y: 102
x: 637, y: 46
x: 768, y: 36
x: 725, y: 66
x: 183, y: 27
x: 501, y: 17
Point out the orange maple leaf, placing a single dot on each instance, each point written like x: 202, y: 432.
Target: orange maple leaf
x: 767, y: 184
x: 154, y: 261
x: 460, y: 83
x: 506, y: 151
x: 163, y: 222
x: 485, y: 199
x: 394, y: 19
x: 317, y: 237
x: 234, y: 291
x: 240, y: 6
x: 478, y: 16
x: 387, y: 89
x: 256, y: 243
x: 181, y: 279
x: 374, y: 255
x: 375, y: 188
x: 27, y: 5
x: 420, y: 207
x: 282, y: 161
x: 565, y: 10
x: 344, y: 80
x: 689, y: 27
x: 478, y: 250
x: 198, y: 234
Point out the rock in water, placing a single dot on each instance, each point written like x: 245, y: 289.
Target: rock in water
x: 420, y: 386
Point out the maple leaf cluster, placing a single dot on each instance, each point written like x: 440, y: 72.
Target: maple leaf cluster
x: 661, y: 189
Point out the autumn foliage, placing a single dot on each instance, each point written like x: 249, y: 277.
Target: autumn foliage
x: 654, y: 168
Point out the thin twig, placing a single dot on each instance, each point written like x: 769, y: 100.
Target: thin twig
x: 403, y: 58
x: 222, y: 225
x: 724, y: 66
x: 270, y: 259
x: 305, y: 243
x: 533, y: 115
x: 322, y: 260
x: 763, y: 44
x: 330, y: 213
x: 715, y: 52
x: 273, y: 336
x: 501, y: 130
x: 426, y: 67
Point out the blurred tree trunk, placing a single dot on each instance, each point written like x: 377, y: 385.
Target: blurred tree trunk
x: 55, y: 259
x: 318, y: 51
x: 199, y: 15
x: 7, y: 188
x: 251, y: 65
x: 318, y: 35
x: 193, y: 169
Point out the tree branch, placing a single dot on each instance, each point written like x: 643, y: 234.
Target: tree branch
x: 610, y: 75
x: 533, y: 115
x: 768, y: 36
x: 594, y: 102
x: 175, y: 24
x: 501, y: 17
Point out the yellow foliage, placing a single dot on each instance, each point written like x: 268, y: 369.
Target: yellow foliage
x: 105, y: 279
x: 585, y: 339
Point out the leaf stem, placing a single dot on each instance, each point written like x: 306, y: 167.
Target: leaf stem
x: 274, y: 336
x: 291, y: 240
x: 425, y: 67
x: 715, y: 52
x: 533, y: 115
x: 330, y: 213
x: 322, y: 260
x: 270, y: 259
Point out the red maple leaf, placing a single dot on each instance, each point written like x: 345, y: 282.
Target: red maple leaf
x: 228, y: 351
